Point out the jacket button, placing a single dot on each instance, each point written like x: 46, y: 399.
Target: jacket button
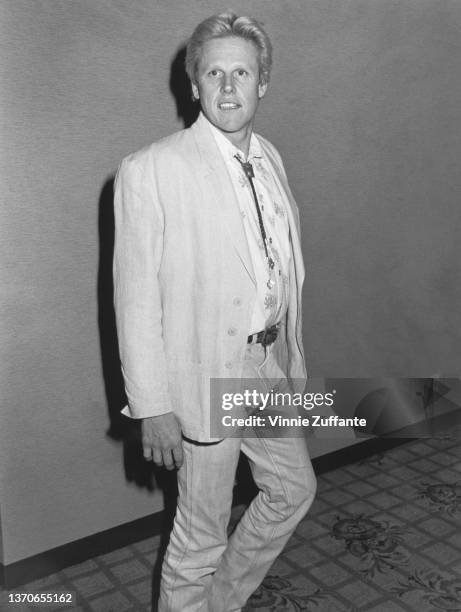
x: 231, y: 331
x: 228, y: 364
x: 237, y: 301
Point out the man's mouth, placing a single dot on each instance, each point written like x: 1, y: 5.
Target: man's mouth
x: 228, y: 106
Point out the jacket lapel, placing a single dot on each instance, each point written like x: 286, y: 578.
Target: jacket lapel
x: 221, y: 190
x: 292, y: 212
x: 294, y: 332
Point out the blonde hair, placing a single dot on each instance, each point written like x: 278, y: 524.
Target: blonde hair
x: 229, y: 24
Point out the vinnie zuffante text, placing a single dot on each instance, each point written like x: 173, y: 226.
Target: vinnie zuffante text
x: 257, y: 401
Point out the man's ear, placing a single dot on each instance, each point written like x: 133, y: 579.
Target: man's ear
x: 262, y: 88
x: 195, y: 92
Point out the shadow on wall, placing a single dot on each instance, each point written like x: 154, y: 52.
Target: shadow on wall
x: 187, y: 109
x: 125, y: 430
x: 122, y: 429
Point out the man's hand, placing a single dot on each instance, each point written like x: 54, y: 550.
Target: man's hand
x: 162, y: 441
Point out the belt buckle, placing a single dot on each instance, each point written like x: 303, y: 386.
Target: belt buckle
x: 269, y: 336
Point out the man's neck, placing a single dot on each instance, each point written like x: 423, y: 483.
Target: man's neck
x: 241, y: 141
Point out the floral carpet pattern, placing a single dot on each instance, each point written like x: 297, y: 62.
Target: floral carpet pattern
x: 445, y: 496
x: 383, y: 535
x: 377, y: 544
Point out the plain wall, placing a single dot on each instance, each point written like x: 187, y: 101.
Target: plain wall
x: 364, y: 106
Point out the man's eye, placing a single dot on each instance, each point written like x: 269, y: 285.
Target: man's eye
x: 241, y: 72
x: 214, y: 73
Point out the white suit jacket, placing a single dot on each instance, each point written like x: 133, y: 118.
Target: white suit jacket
x: 183, y: 277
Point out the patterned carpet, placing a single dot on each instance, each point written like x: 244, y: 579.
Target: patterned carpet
x: 383, y: 535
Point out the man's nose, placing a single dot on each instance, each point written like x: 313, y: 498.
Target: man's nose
x: 227, y: 84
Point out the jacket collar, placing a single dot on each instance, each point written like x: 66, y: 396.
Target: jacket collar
x: 220, y: 184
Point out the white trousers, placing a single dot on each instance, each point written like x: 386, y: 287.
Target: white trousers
x: 203, y: 570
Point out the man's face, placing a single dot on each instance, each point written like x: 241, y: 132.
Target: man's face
x: 227, y: 84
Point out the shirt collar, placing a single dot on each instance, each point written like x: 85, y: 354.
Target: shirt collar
x: 228, y: 150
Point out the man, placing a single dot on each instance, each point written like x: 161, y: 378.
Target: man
x: 208, y: 275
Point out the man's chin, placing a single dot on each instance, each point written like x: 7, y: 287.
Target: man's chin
x: 230, y: 122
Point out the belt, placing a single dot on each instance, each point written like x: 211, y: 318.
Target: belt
x: 265, y: 337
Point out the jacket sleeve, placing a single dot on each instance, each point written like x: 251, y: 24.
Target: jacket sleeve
x: 138, y: 250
